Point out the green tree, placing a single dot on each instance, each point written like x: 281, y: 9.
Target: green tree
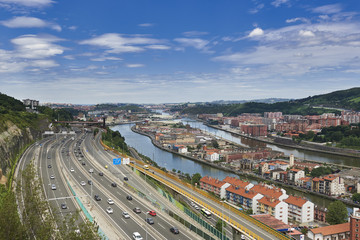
x: 195, y: 178
x: 214, y: 143
x: 337, y: 213
x: 220, y: 224
x: 356, y: 197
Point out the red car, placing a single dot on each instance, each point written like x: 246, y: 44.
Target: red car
x: 152, y: 213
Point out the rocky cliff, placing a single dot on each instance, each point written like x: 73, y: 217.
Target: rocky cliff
x: 13, y: 140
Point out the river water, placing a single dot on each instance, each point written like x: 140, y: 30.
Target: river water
x: 171, y: 161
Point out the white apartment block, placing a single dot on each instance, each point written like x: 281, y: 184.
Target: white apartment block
x: 300, y: 210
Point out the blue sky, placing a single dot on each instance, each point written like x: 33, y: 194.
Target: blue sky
x: 88, y: 52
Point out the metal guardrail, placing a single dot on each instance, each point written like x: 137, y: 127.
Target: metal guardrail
x: 213, y: 210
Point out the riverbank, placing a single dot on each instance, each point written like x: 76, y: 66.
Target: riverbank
x: 307, y: 146
x: 250, y: 176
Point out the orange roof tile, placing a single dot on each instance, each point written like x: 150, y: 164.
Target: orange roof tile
x: 295, y: 170
x: 269, y: 192
x: 297, y: 201
x: 330, y: 177
x: 212, y: 181
x: 241, y: 191
x: 272, y: 202
x: 333, y: 229
x: 236, y: 182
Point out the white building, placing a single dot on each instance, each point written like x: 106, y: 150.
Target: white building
x: 274, y: 207
x: 212, y: 156
x: 300, y: 210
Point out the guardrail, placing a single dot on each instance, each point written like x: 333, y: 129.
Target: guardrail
x: 213, y: 210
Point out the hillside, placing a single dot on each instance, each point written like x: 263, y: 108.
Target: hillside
x: 346, y: 99
x: 18, y: 128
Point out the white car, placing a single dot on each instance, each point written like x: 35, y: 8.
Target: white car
x: 126, y: 215
x: 82, y: 183
x: 109, y: 210
x: 137, y: 236
x: 91, y: 170
x: 52, y: 177
x: 72, y: 170
x: 110, y: 201
x: 53, y: 187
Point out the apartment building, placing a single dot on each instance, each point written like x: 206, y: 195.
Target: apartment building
x: 246, y: 198
x: 331, y: 184
x: 214, y: 185
x: 300, y: 210
x: 294, y: 175
x: 274, y: 207
x: 333, y: 232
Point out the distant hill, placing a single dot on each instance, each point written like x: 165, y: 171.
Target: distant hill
x: 266, y: 100
x: 344, y: 99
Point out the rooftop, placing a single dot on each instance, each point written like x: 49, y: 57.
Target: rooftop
x: 333, y: 229
x: 297, y: 201
x: 212, y: 181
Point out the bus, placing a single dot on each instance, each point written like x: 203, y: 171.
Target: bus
x: 146, y: 167
x: 205, y: 213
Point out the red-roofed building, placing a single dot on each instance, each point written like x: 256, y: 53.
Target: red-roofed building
x: 271, y: 192
x: 294, y: 175
x: 274, y: 207
x: 331, y: 184
x: 333, y: 232
x: 214, y: 185
x: 300, y: 210
x: 237, y: 182
x: 246, y: 198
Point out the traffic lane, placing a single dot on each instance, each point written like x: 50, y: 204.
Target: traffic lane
x: 163, y: 223
x: 61, y: 188
x: 128, y: 226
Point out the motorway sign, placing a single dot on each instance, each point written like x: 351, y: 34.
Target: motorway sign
x: 117, y: 161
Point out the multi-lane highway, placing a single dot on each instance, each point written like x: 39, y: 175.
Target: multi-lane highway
x: 64, y: 166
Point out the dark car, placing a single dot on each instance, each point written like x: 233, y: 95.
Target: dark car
x: 149, y: 220
x: 97, y: 198
x: 63, y: 206
x: 83, y: 163
x: 101, y: 174
x: 114, y: 184
x: 125, y: 178
x: 49, y: 166
x: 174, y: 230
x: 89, y: 182
x: 137, y: 210
x: 129, y: 197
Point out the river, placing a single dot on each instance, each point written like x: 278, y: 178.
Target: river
x: 171, y: 161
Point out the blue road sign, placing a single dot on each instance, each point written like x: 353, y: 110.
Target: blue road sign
x: 117, y: 161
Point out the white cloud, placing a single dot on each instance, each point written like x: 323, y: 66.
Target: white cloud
x: 257, y: 8
x: 301, y: 49
x: 146, y: 25
x: 134, y: 65
x: 158, y: 47
x: 29, y: 22
x: 328, y: 9
x: 73, y: 28
x: 256, y: 32
x: 278, y: 3
x: 117, y: 43
x: 105, y: 58
x: 37, y: 47
x: 197, y: 43
x: 194, y: 33
x: 298, y: 19
x: 306, y: 33
x: 28, y: 3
